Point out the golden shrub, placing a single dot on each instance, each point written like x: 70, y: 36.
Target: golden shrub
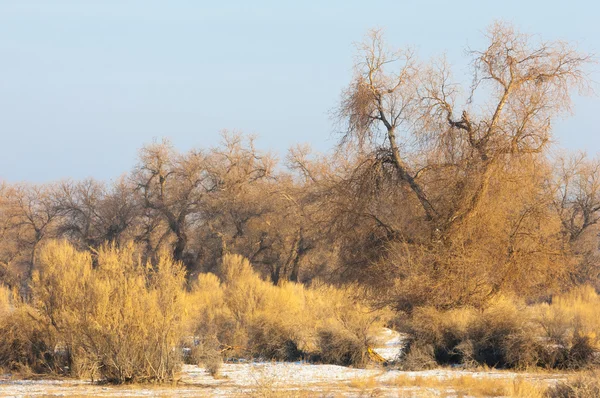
x: 251, y: 317
x: 121, y: 319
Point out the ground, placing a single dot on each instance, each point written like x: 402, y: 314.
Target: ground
x: 266, y: 379
x: 282, y: 379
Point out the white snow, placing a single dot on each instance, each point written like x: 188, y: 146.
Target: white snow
x: 243, y: 378
x: 390, y: 344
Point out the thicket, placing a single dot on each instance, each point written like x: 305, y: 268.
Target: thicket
x: 119, y: 320
x: 251, y: 317
x: 562, y: 334
x: 112, y: 316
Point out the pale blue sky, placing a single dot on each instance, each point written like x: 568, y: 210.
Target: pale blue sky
x: 84, y: 84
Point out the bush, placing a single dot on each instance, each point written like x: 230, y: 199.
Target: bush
x: 579, y: 387
x: 504, y: 336
x: 500, y: 335
x: 508, y: 333
x: 418, y: 357
x: 248, y: 316
x: 26, y: 345
x: 339, y: 347
x: 122, y: 319
x: 570, y: 326
x: 206, y: 353
x: 345, y: 326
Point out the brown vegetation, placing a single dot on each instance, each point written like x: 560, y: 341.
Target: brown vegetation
x: 508, y: 333
x: 127, y: 320
x: 440, y: 203
x: 583, y: 386
x: 250, y: 317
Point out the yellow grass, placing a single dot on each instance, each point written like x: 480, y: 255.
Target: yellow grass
x: 472, y: 386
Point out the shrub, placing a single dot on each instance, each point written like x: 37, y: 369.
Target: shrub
x: 504, y: 336
x: 508, y: 333
x: 210, y: 320
x: 206, y: 353
x: 26, y: 344
x: 580, y: 387
x: 570, y: 328
x: 339, y: 347
x: 501, y: 335
x: 129, y: 325
x: 248, y: 316
x: 120, y: 319
x: 443, y: 330
x: 418, y: 357
x: 345, y: 326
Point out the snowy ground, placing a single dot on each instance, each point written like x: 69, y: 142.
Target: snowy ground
x: 390, y: 343
x: 261, y: 379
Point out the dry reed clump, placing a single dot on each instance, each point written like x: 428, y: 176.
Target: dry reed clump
x: 508, y: 333
x: 501, y: 335
x: 120, y: 321
x: 250, y: 317
x: 472, y: 386
x: 26, y: 344
x: 582, y: 386
x: 571, y: 328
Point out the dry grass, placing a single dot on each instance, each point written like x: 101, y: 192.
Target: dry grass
x: 474, y: 386
x: 267, y: 385
x: 580, y: 386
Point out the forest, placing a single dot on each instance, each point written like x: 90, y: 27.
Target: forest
x: 446, y: 211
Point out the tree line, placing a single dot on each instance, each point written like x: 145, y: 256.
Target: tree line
x: 437, y: 194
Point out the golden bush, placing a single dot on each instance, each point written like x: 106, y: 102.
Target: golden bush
x: 121, y: 320
x: 250, y: 317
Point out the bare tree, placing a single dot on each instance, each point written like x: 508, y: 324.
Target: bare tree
x: 32, y: 213
x: 172, y: 185
x: 575, y: 189
x: 403, y: 114
x: 421, y: 173
x: 94, y: 213
x: 577, y: 193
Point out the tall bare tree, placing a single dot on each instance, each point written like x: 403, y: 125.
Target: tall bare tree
x: 415, y: 144
x: 404, y: 114
x: 575, y: 189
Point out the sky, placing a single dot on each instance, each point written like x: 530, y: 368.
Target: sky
x: 85, y: 84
